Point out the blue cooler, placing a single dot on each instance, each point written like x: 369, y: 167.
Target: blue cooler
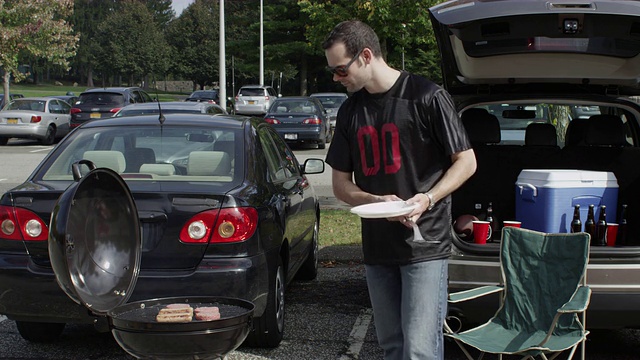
x: 545, y: 199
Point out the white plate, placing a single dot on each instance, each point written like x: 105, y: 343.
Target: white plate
x: 384, y: 209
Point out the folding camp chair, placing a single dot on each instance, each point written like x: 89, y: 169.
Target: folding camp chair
x: 543, y: 291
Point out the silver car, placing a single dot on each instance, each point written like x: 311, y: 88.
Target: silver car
x: 42, y: 118
x: 254, y: 99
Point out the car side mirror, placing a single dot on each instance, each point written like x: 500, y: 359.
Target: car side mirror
x: 312, y: 166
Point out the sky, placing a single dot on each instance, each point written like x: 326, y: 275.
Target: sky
x: 179, y: 5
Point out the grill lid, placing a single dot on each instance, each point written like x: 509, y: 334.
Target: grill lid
x: 94, y: 240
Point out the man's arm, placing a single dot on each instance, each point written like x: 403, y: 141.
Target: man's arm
x: 463, y: 165
x: 346, y: 190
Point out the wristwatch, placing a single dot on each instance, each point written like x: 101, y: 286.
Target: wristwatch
x: 431, y: 202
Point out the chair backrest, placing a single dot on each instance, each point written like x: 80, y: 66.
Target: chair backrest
x: 541, y: 272
x: 137, y: 156
x: 111, y: 159
x: 576, y: 132
x: 605, y: 130
x: 209, y: 163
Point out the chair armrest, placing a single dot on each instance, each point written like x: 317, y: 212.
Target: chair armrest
x: 578, y: 302
x: 474, y: 293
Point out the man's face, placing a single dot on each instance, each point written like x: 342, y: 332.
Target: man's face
x: 345, y: 69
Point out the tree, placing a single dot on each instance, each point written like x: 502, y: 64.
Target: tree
x: 34, y: 28
x: 194, y: 36
x: 131, y: 44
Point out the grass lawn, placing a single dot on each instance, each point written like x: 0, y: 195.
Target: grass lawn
x: 339, y: 227
x: 29, y: 90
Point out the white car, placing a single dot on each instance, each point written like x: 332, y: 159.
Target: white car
x: 517, y: 71
x: 43, y: 118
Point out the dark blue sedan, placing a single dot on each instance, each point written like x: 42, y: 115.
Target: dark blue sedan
x: 224, y: 209
x: 300, y: 120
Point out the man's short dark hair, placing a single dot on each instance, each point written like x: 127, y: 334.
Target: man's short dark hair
x: 355, y: 35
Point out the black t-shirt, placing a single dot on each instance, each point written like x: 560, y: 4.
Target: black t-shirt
x: 400, y: 142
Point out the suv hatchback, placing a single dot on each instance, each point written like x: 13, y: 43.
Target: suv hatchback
x: 254, y: 99
x: 105, y: 102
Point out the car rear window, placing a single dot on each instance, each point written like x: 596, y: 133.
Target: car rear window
x: 252, y: 92
x: 182, y: 154
x: 101, y: 98
x: 31, y: 105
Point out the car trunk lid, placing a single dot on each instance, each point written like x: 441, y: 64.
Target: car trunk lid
x: 525, y: 46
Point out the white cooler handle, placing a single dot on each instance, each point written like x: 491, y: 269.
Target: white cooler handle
x: 521, y: 186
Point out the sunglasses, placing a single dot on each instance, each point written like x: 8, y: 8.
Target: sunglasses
x: 342, y: 70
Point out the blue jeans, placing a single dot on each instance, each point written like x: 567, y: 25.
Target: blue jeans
x: 409, y: 307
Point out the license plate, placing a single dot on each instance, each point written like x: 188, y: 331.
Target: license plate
x: 251, y: 102
x: 12, y: 121
x: 291, y: 136
x: 95, y: 115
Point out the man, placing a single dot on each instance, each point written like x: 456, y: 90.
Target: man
x: 398, y: 137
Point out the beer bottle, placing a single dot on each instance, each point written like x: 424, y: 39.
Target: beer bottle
x: 621, y: 238
x: 590, y: 225
x: 492, y: 223
x: 576, y: 224
x: 601, y: 227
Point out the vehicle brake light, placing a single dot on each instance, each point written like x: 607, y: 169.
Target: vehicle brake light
x: 312, y: 121
x: 223, y: 226
x: 36, y: 119
x: 272, y: 120
x: 266, y: 98
x: 75, y: 110
x: 22, y: 224
x: 114, y: 110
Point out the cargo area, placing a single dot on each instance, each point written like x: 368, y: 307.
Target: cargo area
x: 590, y: 157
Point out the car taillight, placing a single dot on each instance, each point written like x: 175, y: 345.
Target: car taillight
x: 272, y: 120
x: 75, y: 110
x: 21, y: 224
x: 114, y: 110
x: 312, y: 121
x: 36, y: 119
x: 266, y: 98
x: 227, y: 225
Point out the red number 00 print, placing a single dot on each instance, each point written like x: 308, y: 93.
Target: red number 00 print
x: 369, y: 144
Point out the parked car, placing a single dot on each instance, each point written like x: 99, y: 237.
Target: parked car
x: 70, y: 98
x: 225, y: 209
x: 300, y: 120
x: 204, y: 95
x: 11, y: 97
x: 254, y: 99
x: 540, y: 60
x: 171, y: 107
x: 104, y: 102
x: 331, y: 102
x: 44, y: 119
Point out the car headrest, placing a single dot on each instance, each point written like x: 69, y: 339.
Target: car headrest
x: 158, y: 169
x: 209, y: 163
x: 605, y: 130
x: 111, y: 159
x: 576, y: 132
x: 482, y: 127
x: 540, y: 134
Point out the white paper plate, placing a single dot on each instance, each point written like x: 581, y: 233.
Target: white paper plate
x: 383, y: 209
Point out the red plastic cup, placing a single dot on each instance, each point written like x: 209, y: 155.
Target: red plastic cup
x: 612, y: 233
x: 512, y: 223
x: 480, y: 232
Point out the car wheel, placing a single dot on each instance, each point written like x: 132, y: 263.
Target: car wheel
x: 39, y: 331
x: 50, y: 137
x: 309, y: 269
x: 269, y: 328
x: 4, y: 140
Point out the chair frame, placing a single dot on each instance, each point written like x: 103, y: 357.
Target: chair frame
x: 577, y: 304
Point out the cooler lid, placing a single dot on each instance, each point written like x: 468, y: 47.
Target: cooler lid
x: 94, y: 240
x: 562, y: 178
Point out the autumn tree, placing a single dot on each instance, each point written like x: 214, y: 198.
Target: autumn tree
x: 35, y: 28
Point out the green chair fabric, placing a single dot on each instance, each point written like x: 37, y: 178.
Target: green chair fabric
x: 544, y: 291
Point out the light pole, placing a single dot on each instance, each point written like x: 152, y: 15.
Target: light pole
x: 261, y: 46
x: 222, y: 72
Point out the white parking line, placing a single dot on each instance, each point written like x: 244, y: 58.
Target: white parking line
x: 43, y: 149
x: 3, y: 179
x: 358, y: 333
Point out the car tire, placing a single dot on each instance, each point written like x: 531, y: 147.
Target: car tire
x: 309, y: 269
x: 268, y: 329
x: 4, y: 140
x: 39, y: 331
x: 50, y: 136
